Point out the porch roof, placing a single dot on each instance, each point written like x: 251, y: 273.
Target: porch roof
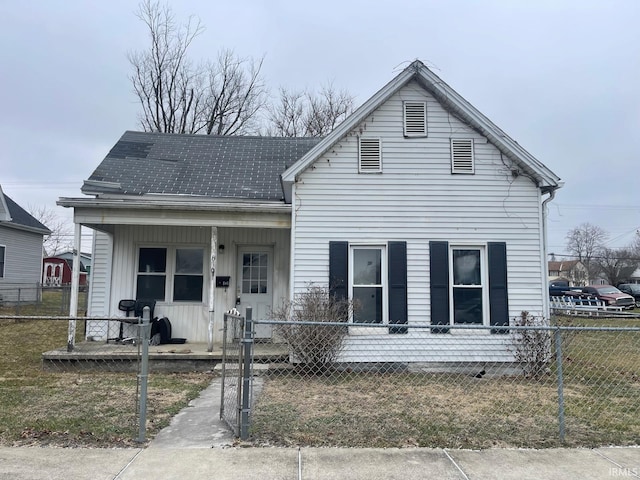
x: 103, y: 213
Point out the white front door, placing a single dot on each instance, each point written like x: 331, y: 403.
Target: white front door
x: 255, y: 288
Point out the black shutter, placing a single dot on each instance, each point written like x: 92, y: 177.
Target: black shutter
x: 439, y: 281
x: 498, y: 298
x: 338, y: 270
x: 397, y: 286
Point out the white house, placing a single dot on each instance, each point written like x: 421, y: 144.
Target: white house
x: 417, y: 206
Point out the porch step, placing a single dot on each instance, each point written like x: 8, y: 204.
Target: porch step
x: 188, y: 357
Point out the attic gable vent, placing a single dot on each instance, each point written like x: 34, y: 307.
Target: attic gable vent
x: 415, y: 119
x: 462, y: 160
x: 369, y: 155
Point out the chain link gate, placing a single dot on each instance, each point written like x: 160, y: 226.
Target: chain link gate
x: 237, y: 372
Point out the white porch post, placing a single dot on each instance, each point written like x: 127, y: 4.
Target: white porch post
x: 212, y: 286
x: 75, y: 285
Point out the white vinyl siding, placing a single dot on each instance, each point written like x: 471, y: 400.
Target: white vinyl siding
x: 370, y: 155
x: 188, y: 319
x: 462, y: 156
x: 415, y: 119
x: 418, y: 200
x: 22, y: 263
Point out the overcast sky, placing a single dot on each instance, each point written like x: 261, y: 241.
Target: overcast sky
x: 560, y: 77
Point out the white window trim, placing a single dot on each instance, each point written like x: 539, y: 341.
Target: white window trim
x: 407, y: 133
x: 170, y: 273
x: 484, y: 278
x: 367, y: 170
x: 385, y: 288
x: 4, y: 261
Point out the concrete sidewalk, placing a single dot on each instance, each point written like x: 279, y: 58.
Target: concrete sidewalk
x: 316, y: 463
x: 197, y: 445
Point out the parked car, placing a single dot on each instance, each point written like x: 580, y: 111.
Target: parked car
x: 632, y: 289
x: 559, y: 288
x: 610, y: 295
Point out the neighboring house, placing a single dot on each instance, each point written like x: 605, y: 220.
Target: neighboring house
x: 635, y: 276
x: 416, y: 206
x: 573, y: 271
x: 57, y: 270
x: 21, y: 242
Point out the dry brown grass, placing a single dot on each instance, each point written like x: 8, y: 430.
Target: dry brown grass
x: 96, y: 409
x: 368, y: 409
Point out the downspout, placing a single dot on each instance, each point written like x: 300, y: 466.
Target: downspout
x: 292, y: 244
x: 545, y: 269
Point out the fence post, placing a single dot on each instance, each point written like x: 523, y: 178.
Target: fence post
x: 247, y: 342
x: 143, y: 330
x: 18, y: 305
x: 224, y: 364
x: 558, y: 341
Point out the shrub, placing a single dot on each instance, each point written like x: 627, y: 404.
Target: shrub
x: 314, y: 347
x: 532, y: 348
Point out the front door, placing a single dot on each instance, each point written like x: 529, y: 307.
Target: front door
x: 255, y: 288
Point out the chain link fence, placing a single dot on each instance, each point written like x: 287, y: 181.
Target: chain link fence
x: 27, y: 299
x: 528, y: 385
x: 49, y: 396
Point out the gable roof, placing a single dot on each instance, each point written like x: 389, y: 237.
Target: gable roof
x: 562, y: 265
x: 545, y: 179
x: 13, y: 215
x: 231, y: 167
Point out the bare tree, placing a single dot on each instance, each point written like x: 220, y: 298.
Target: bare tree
x: 61, y: 231
x: 585, y: 242
x: 616, y: 264
x: 308, y: 114
x: 635, y: 247
x: 234, y: 95
x: 165, y: 81
x: 177, y: 96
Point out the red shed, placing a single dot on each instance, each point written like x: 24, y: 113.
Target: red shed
x: 56, y: 272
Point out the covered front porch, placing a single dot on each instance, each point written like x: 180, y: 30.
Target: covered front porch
x: 194, y: 260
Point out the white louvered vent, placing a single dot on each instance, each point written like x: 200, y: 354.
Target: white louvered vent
x: 370, y: 155
x: 415, y: 119
x: 462, y: 156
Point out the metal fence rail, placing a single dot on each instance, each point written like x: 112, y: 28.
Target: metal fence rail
x: 454, y: 386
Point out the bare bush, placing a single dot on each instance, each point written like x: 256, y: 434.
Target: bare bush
x: 314, y: 349
x: 532, y: 347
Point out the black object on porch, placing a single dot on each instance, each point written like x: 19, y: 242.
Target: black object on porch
x: 127, y: 306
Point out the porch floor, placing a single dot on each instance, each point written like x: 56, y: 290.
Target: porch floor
x: 187, y: 357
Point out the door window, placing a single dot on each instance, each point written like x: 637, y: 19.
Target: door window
x: 255, y: 270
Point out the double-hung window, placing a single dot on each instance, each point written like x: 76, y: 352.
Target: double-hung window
x: 188, y: 278
x: 170, y: 274
x: 368, y: 284
x: 467, y: 287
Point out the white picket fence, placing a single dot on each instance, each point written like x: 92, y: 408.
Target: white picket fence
x: 589, y: 306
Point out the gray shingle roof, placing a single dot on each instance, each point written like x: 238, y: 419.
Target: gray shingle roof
x: 19, y: 216
x: 233, y: 167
